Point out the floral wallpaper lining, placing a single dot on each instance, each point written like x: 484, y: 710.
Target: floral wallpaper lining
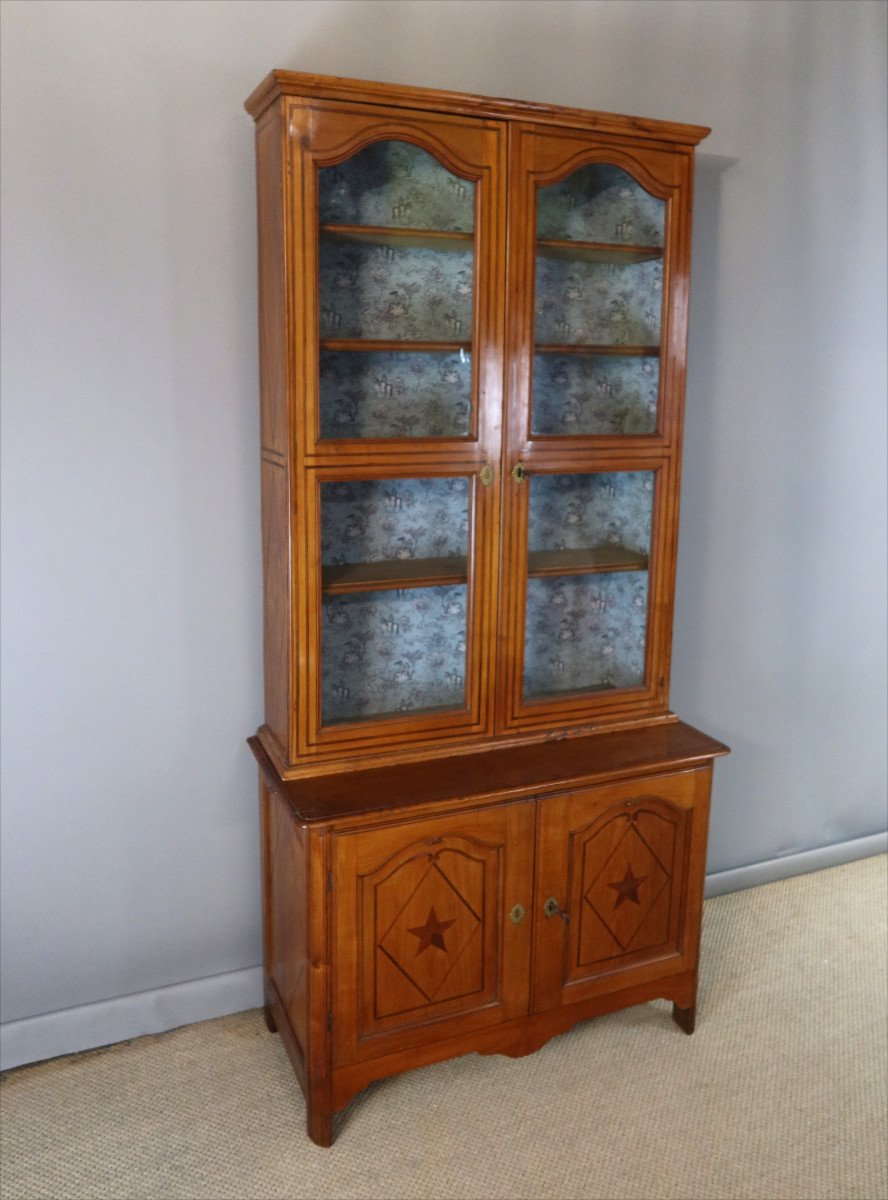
x: 594, y: 394
x: 592, y: 303
x: 383, y: 520
x: 600, y: 203
x: 403, y: 293
x: 384, y: 653
x: 577, y: 512
x: 395, y: 183
x: 386, y: 394
x: 585, y: 633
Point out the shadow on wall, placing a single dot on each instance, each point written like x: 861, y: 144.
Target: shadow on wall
x: 701, y: 417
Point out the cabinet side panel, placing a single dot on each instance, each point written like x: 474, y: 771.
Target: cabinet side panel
x: 286, y: 940
x: 273, y: 376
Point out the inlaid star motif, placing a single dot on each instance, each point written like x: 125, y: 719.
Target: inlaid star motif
x: 627, y: 888
x: 432, y: 933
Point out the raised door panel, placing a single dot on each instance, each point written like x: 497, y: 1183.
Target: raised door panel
x: 427, y: 941
x: 619, y: 886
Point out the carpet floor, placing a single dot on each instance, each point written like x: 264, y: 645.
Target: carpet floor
x: 780, y: 1094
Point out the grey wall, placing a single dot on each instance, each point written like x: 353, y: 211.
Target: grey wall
x: 131, y: 579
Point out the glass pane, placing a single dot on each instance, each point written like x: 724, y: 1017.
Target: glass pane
x: 394, y: 556
x: 395, y: 292
x: 398, y: 184
x: 389, y: 394
x: 598, y: 302
x: 600, y: 203
x: 587, y: 593
x: 595, y: 394
x: 391, y: 652
x: 396, y: 264
x: 384, y: 520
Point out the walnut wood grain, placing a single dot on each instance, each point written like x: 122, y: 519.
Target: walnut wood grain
x: 507, y: 772
x: 573, y: 348
x: 389, y: 235
x: 604, y: 252
x: 294, y: 83
x: 400, y: 573
x: 594, y: 560
x: 368, y: 345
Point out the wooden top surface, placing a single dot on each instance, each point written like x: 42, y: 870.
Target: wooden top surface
x: 509, y: 772
x: 332, y: 87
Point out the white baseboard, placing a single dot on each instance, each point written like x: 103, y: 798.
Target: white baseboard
x: 117, y: 1020
x: 795, y: 864
x: 108, y: 1021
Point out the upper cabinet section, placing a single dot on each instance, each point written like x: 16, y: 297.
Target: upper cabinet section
x: 405, y: 215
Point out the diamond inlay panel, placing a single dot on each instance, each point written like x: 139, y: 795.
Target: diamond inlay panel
x: 626, y: 892
x: 432, y: 949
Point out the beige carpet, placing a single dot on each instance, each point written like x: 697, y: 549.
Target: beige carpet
x: 779, y: 1094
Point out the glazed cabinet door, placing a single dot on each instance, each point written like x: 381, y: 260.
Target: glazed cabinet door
x: 431, y: 929
x: 599, y: 254
x: 397, y: 286
x: 619, y: 891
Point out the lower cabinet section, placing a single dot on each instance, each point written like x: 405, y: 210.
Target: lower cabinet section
x: 394, y: 941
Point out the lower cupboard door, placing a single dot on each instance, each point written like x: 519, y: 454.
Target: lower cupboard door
x: 431, y: 937
x: 619, y: 886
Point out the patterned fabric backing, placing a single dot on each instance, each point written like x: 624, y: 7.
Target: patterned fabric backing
x: 600, y: 203
x: 596, y: 509
x: 399, y: 184
x: 403, y: 293
x: 598, y: 394
x: 385, y: 653
x: 585, y: 633
x: 383, y: 520
x: 387, y: 394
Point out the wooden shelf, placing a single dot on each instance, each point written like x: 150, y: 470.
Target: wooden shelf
x: 386, y: 235
x: 615, y: 351
x: 387, y: 576
x: 604, y: 252
x: 369, y: 345
x: 595, y: 560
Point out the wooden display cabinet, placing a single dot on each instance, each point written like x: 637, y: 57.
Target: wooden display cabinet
x: 481, y: 821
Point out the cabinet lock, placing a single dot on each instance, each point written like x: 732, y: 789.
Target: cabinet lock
x: 519, y: 472
x: 517, y: 914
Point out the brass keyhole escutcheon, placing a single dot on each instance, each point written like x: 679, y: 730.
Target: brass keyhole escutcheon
x: 486, y: 474
x: 519, y: 472
x: 553, y: 909
x: 517, y: 914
